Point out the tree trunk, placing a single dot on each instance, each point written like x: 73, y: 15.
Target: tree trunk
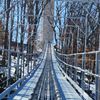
x: 6, y: 33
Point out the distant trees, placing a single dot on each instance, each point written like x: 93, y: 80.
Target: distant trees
x: 21, y: 19
x: 19, y: 22
x: 76, y: 25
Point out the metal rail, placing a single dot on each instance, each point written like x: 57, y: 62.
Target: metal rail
x: 77, y: 67
x: 70, y: 69
x: 21, y: 82
x: 45, y: 89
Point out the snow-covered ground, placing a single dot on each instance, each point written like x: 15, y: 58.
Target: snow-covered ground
x: 14, y: 66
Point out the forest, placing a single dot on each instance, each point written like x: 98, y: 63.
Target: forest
x: 76, y: 30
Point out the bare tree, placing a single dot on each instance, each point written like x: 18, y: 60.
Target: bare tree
x: 7, y: 6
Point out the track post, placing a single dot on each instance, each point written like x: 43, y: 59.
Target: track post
x: 97, y: 78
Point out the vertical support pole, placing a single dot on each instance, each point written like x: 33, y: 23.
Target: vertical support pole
x: 77, y: 38
x: 23, y: 65
x: 9, y: 60
x: 99, y: 40
x: 21, y: 60
x: 71, y: 69
x: 82, y: 73
x: 75, y: 58
x: 31, y: 63
x: 98, y: 79
x: 64, y: 64
x: 75, y: 71
x: 17, y: 67
x: 67, y: 65
x: 34, y: 62
x: 72, y: 42
x: 28, y: 64
x: 31, y: 54
x: 84, y: 55
x: 86, y: 32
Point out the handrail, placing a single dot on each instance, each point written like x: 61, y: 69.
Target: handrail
x: 12, y: 51
x: 91, y: 52
x: 21, y: 81
x: 76, y: 67
x: 81, y: 92
x: 8, y: 90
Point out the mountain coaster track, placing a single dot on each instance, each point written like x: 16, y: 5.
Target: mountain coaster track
x: 45, y: 89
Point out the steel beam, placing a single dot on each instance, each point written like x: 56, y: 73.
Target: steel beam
x: 97, y: 78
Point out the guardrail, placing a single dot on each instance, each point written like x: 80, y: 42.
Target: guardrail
x: 20, y: 82
x: 17, y: 84
x: 81, y: 92
x: 30, y: 83
x: 62, y: 61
